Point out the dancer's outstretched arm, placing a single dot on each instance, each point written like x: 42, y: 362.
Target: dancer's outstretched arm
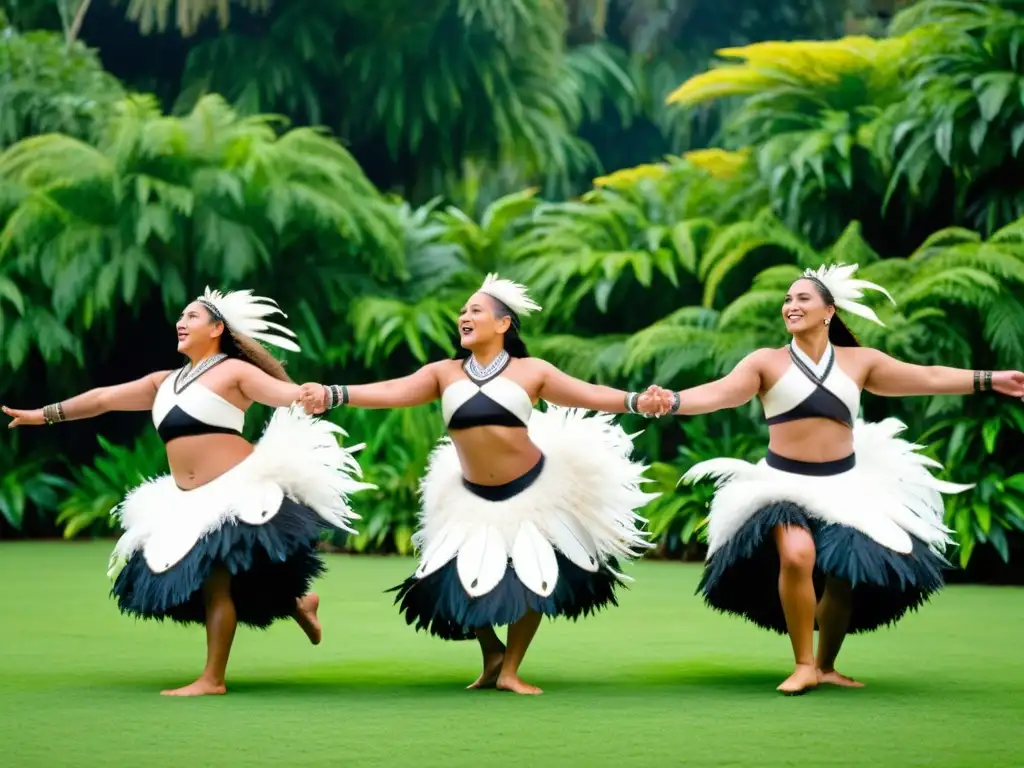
x: 889, y: 377
x: 562, y: 389
x: 419, y: 388
x: 260, y: 387
x: 737, y: 388
x: 135, y: 395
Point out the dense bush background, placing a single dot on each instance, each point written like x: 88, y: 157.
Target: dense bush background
x: 657, y: 171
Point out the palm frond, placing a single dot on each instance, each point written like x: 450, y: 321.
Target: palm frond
x: 51, y: 87
x: 153, y: 15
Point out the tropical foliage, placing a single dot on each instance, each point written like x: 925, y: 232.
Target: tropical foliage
x: 656, y: 188
x: 47, y: 86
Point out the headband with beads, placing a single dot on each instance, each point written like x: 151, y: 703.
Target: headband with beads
x: 244, y: 313
x: 843, y: 290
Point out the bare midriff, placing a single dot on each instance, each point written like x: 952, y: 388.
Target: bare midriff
x: 495, y: 455
x: 811, y: 440
x: 198, y: 459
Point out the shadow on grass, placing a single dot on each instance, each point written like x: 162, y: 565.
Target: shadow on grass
x: 691, y: 680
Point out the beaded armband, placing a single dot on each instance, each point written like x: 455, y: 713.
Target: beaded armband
x: 336, y: 395
x: 54, y: 414
x: 631, y: 400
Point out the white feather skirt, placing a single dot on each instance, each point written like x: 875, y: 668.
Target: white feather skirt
x: 877, y: 525
x: 552, y: 547
x: 261, y: 520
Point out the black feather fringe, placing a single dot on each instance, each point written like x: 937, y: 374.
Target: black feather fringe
x: 886, y: 584
x: 742, y: 577
x: 438, y: 603
x: 271, y: 565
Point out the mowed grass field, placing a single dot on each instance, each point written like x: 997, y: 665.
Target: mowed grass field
x: 659, y: 681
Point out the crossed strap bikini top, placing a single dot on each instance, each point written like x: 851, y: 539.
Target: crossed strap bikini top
x: 192, y: 409
x: 809, y: 390
x: 497, y: 401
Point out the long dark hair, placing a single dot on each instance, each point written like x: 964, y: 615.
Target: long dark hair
x: 838, y: 332
x: 242, y: 347
x: 514, y: 343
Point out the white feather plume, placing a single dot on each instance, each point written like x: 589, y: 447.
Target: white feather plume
x: 512, y: 295
x: 245, y: 313
x: 584, y: 504
x: 299, y: 457
x: 845, y: 289
x: 890, y: 496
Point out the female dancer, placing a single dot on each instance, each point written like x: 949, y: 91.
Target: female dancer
x: 230, y: 535
x: 524, y: 513
x: 839, y: 508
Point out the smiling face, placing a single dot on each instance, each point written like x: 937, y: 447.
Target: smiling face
x: 479, y: 323
x: 197, y: 330
x: 804, y: 308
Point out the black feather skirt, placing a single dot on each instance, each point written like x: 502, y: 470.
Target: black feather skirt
x: 261, y: 522
x: 875, y: 518
x: 548, y: 542
x: 271, y: 566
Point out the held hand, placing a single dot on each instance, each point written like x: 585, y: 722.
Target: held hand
x: 654, y: 402
x: 1009, y: 383
x: 667, y: 397
x: 313, y: 397
x: 32, y: 418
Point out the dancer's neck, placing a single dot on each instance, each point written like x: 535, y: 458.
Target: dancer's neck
x: 487, y: 356
x: 196, y: 359
x: 814, y: 346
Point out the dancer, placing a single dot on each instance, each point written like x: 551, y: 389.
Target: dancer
x: 231, y: 534
x: 839, y: 509
x: 524, y: 513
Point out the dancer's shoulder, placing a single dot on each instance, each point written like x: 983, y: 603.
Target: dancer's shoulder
x: 767, y: 355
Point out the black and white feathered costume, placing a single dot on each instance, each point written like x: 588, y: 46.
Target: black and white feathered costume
x: 261, y: 520
x: 876, y: 515
x: 550, y: 540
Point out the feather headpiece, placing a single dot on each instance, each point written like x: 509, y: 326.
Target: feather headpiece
x: 244, y: 313
x: 838, y: 280
x: 512, y: 295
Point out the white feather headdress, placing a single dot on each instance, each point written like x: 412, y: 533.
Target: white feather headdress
x: 845, y: 290
x: 244, y: 313
x: 512, y: 295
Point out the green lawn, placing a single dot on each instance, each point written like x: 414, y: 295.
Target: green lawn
x: 659, y: 681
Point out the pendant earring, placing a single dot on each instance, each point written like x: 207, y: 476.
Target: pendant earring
x: 827, y: 320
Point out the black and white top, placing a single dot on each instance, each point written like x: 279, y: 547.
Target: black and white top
x: 193, y: 410
x: 810, y: 390
x: 497, y: 401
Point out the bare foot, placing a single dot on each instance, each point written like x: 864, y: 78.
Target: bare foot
x: 492, y: 668
x: 831, y: 677
x: 803, y: 679
x: 516, y: 685
x: 305, y: 615
x: 201, y: 687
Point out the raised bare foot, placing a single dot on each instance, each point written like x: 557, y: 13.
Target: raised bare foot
x: 492, y: 668
x: 201, y: 687
x: 516, y: 685
x: 831, y: 677
x: 803, y: 679
x: 305, y: 615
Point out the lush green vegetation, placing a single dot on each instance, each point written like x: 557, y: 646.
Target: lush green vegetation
x: 654, y: 170
x: 660, y: 680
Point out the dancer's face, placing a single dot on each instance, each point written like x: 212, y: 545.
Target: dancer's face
x: 479, y: 324
x: 197, y: 330
x: 804, y: 308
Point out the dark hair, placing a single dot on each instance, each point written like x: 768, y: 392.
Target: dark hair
x: 241, y: 347
x: 838, y: 333
x: 514, y: 343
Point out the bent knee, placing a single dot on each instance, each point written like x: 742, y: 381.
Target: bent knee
x: 796, y: 549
